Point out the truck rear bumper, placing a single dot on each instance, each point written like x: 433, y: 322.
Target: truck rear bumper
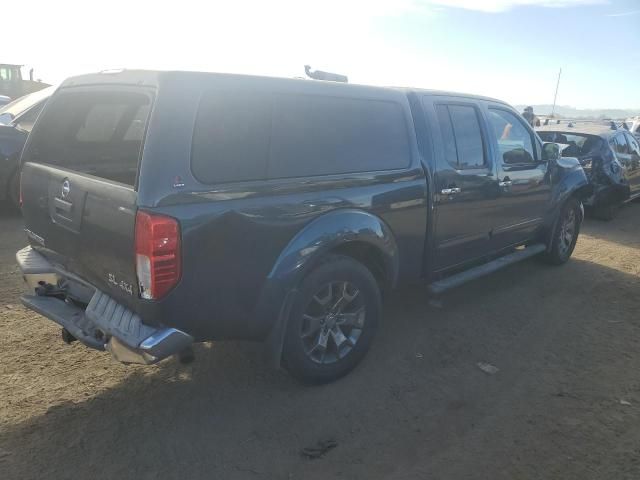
x: 104, y: 323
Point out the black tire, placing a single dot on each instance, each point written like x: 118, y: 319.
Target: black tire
x: 339, y: 277
x: 14, y: 190
x: 562, y: 245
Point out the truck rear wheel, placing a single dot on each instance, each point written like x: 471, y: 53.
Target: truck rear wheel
x: 565, y: 234
x: 333, y: 321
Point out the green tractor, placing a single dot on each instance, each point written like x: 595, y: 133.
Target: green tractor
x: 12, y: 84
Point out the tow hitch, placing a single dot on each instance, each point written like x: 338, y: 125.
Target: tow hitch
x: 48, y: 290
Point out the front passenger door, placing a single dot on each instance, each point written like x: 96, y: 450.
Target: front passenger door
x: 523, y: 181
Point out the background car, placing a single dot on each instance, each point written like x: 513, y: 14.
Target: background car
x: 634, y: 126
x: 16, y: 121
x: 609, y: 155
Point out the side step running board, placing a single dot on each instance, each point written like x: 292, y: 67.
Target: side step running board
x: 485, y: 269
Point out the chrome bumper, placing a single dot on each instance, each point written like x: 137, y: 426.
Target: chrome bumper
x: 104, y: 324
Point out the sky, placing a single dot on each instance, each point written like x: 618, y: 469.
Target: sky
x: 508, y: 49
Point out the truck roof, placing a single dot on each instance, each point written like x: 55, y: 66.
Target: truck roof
x: 447, y: 93
x: 153, y: 77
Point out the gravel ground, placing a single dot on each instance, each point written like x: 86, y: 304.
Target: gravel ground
x: 564, y: 403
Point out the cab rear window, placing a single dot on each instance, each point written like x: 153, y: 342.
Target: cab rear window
x: 98, y: 133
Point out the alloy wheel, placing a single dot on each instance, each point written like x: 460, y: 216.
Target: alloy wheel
x: 567, y: 231
x: 333, y: 322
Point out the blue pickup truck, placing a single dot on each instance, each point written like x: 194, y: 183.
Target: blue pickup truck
x: 166, y: 208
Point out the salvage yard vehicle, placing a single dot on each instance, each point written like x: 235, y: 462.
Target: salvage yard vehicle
x: 13, y: 86
x: 610, y: 157
x: 166, y: 208
x: 634, y: 126
x: 16, y: 121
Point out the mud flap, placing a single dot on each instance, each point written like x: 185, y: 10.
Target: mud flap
x: 275, y: 340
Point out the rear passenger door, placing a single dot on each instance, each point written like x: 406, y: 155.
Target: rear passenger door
x: 464, y: 179
x: 524, y: 187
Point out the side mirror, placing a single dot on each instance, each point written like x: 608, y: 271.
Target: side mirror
x: 550, y: 151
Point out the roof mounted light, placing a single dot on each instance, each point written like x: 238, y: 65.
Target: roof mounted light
x: 112, y: 71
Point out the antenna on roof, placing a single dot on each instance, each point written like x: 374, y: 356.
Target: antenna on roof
x: 327, y: 76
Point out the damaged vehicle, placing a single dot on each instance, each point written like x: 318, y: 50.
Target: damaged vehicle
x: 16, y: 121
x: 633, y: 124
x: 610, y: 157
x: 167, y: 208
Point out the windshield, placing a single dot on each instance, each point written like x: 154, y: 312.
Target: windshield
x: 573, y: 145
x: 15, y: 108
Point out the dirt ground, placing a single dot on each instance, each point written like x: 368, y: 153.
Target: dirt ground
x: 565, y: 403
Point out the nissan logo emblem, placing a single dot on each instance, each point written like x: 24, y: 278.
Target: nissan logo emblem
x: 66, y: 188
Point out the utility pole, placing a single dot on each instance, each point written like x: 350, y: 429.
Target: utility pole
x: 555, y: 97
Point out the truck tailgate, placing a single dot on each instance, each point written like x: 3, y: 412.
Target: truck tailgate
x: 78, y: 175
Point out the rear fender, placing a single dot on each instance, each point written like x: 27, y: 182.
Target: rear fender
x: 329, y: 232
x: 304, y: 252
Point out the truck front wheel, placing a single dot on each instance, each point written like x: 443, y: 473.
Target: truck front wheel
x: 333, y: 321
x: 565, y: 235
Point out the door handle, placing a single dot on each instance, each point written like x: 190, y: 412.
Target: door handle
x: 62, y: 205
x: 450, y: 191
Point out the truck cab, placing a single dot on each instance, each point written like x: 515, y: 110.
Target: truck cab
x: 166, y: 208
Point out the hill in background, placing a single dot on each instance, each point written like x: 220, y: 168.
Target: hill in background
x: 571, y: 112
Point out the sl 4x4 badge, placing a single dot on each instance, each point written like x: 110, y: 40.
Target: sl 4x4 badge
x: 121, y: 284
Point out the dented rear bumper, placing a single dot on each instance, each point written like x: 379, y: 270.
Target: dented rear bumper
x: 103, y: 324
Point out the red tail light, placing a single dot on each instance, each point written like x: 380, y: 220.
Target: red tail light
x: 158, y: 253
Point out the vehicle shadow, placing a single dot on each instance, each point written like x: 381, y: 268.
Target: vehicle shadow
x: 623, y: 229
x: 417, y: 403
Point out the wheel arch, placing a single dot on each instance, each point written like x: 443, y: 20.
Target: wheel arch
x: 355, y: 233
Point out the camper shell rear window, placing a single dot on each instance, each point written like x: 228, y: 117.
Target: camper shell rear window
x: 97, y: 132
